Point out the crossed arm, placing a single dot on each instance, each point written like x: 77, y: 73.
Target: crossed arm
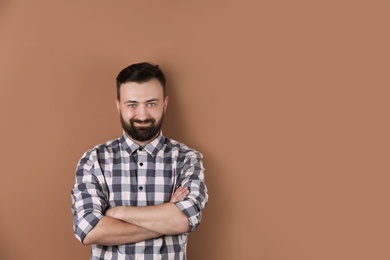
x: 124, y: 225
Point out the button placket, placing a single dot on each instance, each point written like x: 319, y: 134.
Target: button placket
x: 142, y: 170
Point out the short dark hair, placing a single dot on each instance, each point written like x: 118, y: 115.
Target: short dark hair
x: 140, y: 73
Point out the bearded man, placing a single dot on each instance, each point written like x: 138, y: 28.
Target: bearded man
x: 140, y: 195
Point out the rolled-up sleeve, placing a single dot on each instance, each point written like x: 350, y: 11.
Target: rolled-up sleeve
x: 192, y: 175
x: 88, y: 200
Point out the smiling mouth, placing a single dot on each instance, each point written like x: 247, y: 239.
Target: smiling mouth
x: 143, y: 124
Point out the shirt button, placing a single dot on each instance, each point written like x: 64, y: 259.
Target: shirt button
x: 140, y: 188
x: 141, y: 164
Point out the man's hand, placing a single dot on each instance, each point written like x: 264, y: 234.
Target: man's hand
x: 179, y: 194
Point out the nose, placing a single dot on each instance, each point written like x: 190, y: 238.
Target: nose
x: 142, y: 113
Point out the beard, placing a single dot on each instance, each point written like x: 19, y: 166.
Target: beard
x: 142, y: 134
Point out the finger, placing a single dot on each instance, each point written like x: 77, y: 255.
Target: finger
x: 181, y: 191
x: 179, y: 194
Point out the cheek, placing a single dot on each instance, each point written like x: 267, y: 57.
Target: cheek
x: 126, y: 115
x: 157, y: 114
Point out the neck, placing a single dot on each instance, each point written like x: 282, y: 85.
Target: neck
x: 143, y: 143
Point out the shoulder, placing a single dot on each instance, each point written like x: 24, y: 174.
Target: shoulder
x: 103, y: 149
x: 182, y: 149
x: 109, y: 146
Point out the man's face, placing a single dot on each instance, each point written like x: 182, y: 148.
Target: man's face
x: 141, y: 109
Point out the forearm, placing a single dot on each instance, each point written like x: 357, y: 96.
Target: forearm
x: 164, y: 219
x: 110, y: 231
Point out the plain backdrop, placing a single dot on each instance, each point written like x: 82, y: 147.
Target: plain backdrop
x: 287, y: 100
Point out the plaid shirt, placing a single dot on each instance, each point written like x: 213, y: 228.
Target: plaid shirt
x: 121, y: 173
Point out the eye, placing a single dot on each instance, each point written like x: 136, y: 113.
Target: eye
x: 131, y: 105
x: 151, y: 104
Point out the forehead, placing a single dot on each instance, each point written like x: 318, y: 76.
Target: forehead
x: 134, y: 91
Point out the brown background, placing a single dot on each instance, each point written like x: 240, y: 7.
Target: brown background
x: 287, y: 100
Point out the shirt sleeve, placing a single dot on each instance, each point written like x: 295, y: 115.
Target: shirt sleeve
x: 88, y: 200
x: 192, y: 175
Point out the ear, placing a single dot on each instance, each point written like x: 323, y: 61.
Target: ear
x: 118, y: 105
x: 166, y: 103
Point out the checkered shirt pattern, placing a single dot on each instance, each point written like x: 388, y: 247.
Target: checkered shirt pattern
x: 121, y: 173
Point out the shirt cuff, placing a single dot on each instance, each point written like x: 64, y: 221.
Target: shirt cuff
x: 85, y: 224
x: 190, y: 210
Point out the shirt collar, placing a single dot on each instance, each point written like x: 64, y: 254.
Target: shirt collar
x: 152, y: 148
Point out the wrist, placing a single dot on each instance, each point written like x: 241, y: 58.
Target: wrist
x: 120, y: 212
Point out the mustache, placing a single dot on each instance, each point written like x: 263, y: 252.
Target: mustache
x: 149, y: 120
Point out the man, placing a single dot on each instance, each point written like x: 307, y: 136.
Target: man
x: 139, y: 196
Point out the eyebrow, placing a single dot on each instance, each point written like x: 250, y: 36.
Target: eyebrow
x: 147, y: 101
